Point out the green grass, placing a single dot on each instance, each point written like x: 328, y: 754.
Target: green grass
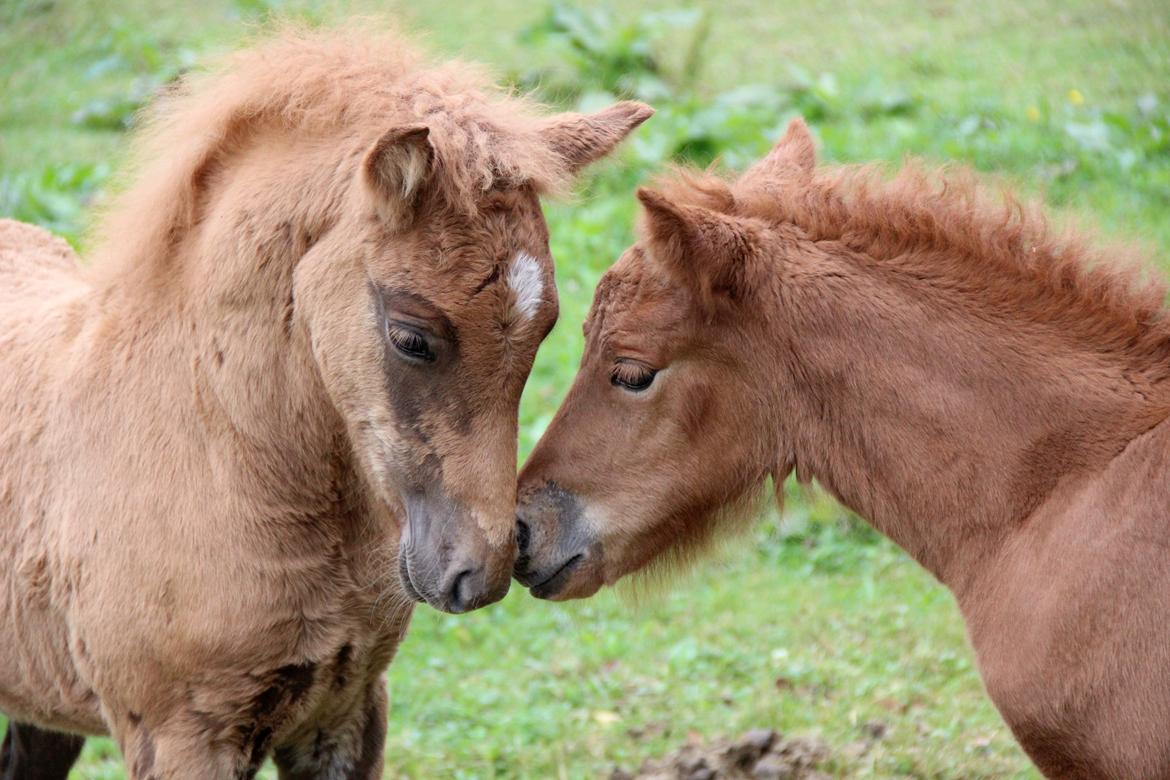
x: 817, y: 634
x: 813, y: 626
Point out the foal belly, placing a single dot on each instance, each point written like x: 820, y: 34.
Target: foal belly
x: 38, y: 680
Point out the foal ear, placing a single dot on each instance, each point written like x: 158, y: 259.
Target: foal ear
x: 579, y: 139
x: 396, y: 167
x: 716, y: 255
x: 794, y: 153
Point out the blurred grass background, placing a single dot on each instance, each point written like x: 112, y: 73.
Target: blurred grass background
x: 812, y: 624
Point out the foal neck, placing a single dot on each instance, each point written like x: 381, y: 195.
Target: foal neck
x: 942, y: 424
x: 210, y: 312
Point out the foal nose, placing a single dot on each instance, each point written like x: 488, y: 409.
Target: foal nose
x: 470, y: 587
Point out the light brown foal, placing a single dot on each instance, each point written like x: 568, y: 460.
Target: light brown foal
x: 275, y: 410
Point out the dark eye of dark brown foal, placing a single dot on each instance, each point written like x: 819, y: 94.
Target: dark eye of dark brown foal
x: 632, y: 376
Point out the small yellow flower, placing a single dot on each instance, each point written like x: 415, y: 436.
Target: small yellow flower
x: 1075, y: 97
x: 606, y: 718
x: 1033, y: 114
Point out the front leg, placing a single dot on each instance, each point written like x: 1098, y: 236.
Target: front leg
x: 351, y: 750
x: 30, y: 753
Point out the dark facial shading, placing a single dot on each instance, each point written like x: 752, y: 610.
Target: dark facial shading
x: 435, y: 406
x: 418, y: 389
x: 550, y: 519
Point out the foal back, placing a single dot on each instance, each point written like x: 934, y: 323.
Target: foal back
x: 39, y: 276
x: 42, y: 295
x: 34, y: 265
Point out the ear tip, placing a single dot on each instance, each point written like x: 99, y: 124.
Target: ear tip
x: 416, y: 133
x: 797, y: 128
x: 642, y: 111
x: 636, y: 111
x: 648, y: 197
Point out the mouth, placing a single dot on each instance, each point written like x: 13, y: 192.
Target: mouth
x: 404, y: 576
x: 551, y: 585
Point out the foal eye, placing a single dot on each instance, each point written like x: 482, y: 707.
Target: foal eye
x: 634, y: 377
x: 410, y: 344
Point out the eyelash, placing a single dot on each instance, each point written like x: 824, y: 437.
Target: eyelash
x: 633, y: 377
x: 410, y: 344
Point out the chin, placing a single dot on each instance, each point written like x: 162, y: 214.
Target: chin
x: 577, y: 590
x: 584, y: 584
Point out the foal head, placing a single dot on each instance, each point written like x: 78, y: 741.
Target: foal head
x: 428, y: 344
x: 668, y: 427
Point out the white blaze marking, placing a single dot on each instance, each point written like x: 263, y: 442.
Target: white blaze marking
x: 526, y: 281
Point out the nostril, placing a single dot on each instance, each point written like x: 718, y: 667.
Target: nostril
x: 460, y: 597
x: 523, y: 535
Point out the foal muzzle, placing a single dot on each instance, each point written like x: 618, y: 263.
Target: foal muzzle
x: 445, y: 559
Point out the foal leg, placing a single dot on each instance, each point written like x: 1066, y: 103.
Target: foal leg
x: 353, y: 750
x: 178, y: 751
x: 30, y: 753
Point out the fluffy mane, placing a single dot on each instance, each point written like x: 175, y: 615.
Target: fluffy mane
x: 943, y: 224
x: 342, y: 85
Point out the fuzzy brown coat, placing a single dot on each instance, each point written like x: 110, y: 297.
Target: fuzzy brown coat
x: 992, y: 394
x: 277, y: 407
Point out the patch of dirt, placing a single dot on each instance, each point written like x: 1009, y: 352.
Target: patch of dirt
x: 760, y: 754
